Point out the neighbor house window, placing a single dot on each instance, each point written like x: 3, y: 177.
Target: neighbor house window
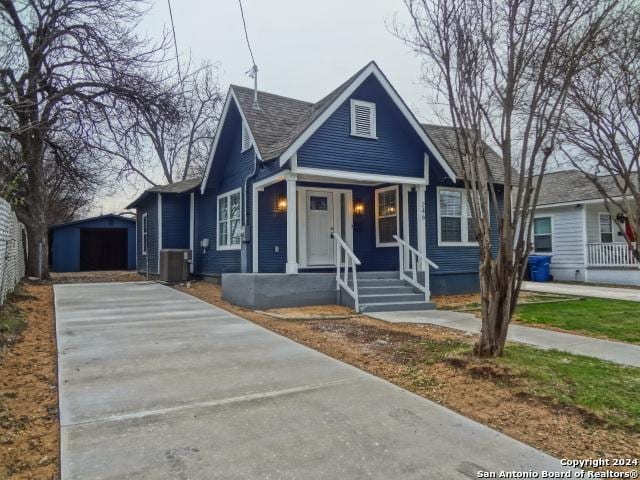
x: 542, y: 235
x: 145, y: 235
x: 455, y: 219
x: 229, y: 208
x: 363, y: 119
x: 606, y: 230
x: 387, y: 219
x: 246, y: 138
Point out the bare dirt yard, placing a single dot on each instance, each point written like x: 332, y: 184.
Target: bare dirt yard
x: 434, y: 362
x: 29, y: 387
x: 97, y: 277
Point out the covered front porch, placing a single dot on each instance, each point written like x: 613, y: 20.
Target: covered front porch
x: 350, y: 235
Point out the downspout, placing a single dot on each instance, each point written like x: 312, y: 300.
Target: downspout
x: 244, y: 267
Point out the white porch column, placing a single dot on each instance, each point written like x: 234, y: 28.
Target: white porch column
x: 421, y: 223
x: 405, y: 220
x: 254, y: 228
x: 292, y: 226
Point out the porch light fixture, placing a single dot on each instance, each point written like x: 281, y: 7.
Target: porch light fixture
x: 281, y: 205
x: 358, y: 208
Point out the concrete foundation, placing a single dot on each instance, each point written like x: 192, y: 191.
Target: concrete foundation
x: 454, y: 283
x: 277, y: 290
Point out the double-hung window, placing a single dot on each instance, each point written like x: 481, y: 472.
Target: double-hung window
x: 229, y: 213
x: 455, y: 219
x: 145, y: 234
x: 606, y: 230
x: 543, y: 235
x: 387, y: 219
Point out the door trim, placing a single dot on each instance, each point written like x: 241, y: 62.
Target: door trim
x: 302, y: 219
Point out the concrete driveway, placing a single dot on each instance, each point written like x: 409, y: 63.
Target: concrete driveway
x: 156, y: 384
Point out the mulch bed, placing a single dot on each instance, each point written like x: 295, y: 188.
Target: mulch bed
x: 29, y: 426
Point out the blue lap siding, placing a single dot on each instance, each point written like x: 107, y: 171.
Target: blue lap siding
x: 398, y: 150
x: 175, y: 220
x: 149, y: 206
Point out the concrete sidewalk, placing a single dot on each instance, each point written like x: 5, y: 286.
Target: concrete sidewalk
x: 618, y: 352
x: 584, y: 290
x: 156, y: 384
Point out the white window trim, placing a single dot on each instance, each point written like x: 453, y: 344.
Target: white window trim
x: 464, y: 222
x: 376, y: 202
x: 226, y: 194
x: 533, y: 235
x: 245, y: 133
x: 374, y: 128
x: 600, y: 214
x: 145, y: 233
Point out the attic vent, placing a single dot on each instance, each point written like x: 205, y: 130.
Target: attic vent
x: 246, y: 138
x: 363, y: 119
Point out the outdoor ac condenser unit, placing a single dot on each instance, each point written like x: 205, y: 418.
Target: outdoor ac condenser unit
x: 174, y: 265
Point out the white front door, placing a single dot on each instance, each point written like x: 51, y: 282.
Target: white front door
x: 320, y: 222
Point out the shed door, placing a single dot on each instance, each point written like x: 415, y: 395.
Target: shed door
x: 103, y: 249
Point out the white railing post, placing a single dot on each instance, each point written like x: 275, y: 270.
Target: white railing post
x: 344, y: 281
x: 415, y: 255
x: 618, y: 254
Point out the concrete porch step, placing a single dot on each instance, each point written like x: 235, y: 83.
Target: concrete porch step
x: 380, y: 282
x: 391, y: 298
x: 386, y: 289
x: 396, y: 306
x: 385, y: 274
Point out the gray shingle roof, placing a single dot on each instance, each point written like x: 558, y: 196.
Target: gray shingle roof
x: 444, y: 138
x: 572, y: 186
x: 279, y: 120
x: 175, y: 187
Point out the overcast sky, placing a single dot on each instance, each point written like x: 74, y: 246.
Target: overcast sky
x: 303, y: 49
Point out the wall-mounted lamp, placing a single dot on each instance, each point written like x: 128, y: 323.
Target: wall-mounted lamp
x: 281, y: 205
x: 358, y: 207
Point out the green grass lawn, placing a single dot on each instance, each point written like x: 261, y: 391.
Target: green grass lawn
x: 614, y: 319
x: 609, y: 391
x: 606, y: 392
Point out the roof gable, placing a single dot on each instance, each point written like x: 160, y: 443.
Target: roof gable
x: 336, y: 98
x: 279, y: 125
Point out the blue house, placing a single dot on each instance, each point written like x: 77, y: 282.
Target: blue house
x: 348, y: 199
x: 107, y: 242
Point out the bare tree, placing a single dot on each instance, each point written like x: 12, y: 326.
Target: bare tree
x: 504, y: 68
x: 68, y: 63
x: 144, y: 140
x: 602, y: 125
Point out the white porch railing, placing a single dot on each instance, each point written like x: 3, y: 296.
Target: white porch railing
x: 342, y: 269
x: 413, y: 256
x: 618, y: 254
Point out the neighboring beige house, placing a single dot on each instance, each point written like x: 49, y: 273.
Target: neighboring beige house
x: 573, y: 225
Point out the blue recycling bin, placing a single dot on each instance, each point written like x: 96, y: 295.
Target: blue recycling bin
x: 540, y: 268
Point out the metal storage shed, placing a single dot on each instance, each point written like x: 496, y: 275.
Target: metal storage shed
x: 107, y: 242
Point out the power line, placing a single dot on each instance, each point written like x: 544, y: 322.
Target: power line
x: 253, y: 73
x: 175, y: 42
x: 246, y: 35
